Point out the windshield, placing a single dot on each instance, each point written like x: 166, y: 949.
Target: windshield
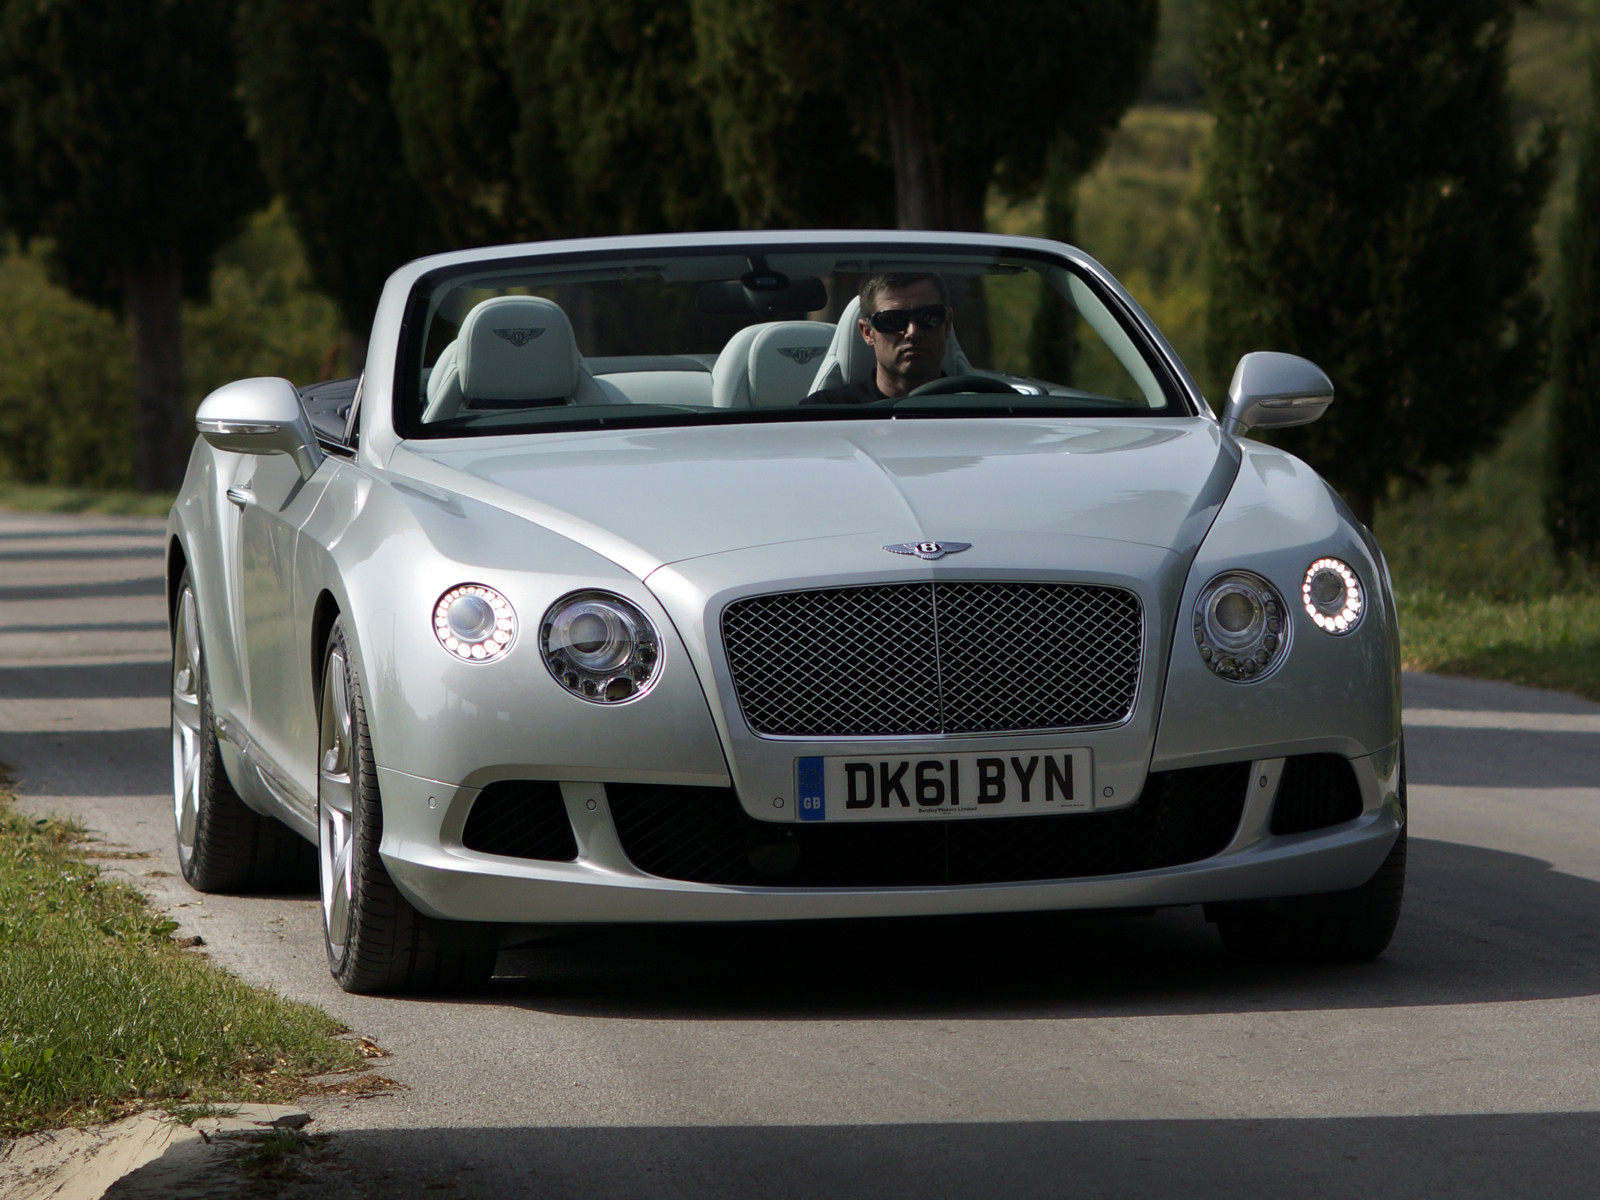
x: 794, y: 334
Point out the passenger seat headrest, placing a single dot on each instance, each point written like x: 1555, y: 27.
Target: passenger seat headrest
x: 783, y: 361
x: 517, y: 348
x: 769, y: 365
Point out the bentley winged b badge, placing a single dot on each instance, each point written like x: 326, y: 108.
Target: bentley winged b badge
x: 519, y: 337
x: 801, y: 354
x: 928, y: 550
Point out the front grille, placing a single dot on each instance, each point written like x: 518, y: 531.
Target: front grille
x: 1314, y: 792
x: 921, y: 658
x: 521, y: 818
x: 703, y: 835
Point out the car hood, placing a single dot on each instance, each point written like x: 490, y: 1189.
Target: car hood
x: 647, y: 498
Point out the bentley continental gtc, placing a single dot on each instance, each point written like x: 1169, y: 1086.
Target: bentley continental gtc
x: 774, y: 577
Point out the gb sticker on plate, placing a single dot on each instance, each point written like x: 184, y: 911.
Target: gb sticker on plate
x: 808, y: 780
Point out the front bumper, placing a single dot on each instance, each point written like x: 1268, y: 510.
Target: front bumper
x: 423, y: 820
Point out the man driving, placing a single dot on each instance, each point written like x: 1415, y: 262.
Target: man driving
x: 906, y: 319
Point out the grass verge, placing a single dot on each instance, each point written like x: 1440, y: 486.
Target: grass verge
x: 32, y: 497
x: 101, y: 1013
x: 1549, y: 641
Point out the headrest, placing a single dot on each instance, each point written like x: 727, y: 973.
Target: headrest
x: 769, y: 364
x: 517, y: 348
x: 781, y: 358
x: 849, y: 358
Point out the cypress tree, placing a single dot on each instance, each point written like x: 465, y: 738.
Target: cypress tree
x: 450, y: 87
x: 1572, y: 500
x: 316, y: 81
x: 122, y: 142
x: 612, y: 135
x: 1371, y: 212
x: 794, y: 153
x: 952, y: 102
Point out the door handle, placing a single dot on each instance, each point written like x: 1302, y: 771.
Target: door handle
x: 241, y: 495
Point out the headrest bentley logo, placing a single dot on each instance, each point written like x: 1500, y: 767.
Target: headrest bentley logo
x: 801, y: 354
x: 928, y: 550
x: 519, y: 337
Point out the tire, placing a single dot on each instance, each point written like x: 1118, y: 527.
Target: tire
x: 223, y: 844
x: 376, y: 940
x: 1332, y: 927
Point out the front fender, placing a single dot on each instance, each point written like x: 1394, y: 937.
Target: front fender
x: 1330, y: 694
x: 391, y: 547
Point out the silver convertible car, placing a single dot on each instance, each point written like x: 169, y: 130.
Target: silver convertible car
x: 771, y: 577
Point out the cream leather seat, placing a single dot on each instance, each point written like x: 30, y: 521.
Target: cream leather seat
x: 512, y: 352
x: 849, y: 358
x: 768, y: 365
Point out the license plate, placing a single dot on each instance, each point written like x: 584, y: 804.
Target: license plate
x: 1006, y: 783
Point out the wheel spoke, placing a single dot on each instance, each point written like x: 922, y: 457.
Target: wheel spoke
x: 341, y: 705
x: 335, y: 804
x: 191, y: 629
x: 185, y: 783
x: 335, y: 793
x: 186, y: 711
x: 186, y: 683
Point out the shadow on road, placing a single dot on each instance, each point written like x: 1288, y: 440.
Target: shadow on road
x: 1479, y: 926
x: 1547, y: 1155
x: 132, y: 680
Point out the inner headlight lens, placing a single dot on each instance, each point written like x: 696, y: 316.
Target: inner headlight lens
x: 475, y: 623
x: 1240, y: 628
x: 600, y: 647
x: 1333, y: 596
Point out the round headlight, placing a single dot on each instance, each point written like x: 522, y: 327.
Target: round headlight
x: 1240, y: 626
x: 475, y: 623
x: 600, y: 647
x: 1332, y: 595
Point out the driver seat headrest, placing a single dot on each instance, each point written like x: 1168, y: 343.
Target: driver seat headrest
x: 850, y: 359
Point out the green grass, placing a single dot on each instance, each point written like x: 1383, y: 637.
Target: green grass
x: 47, y: 498
x: 102, y: 1013
x: 1481, y: 592
x: 1550, y: 642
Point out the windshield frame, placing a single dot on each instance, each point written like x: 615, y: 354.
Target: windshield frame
x: 1182, y: 397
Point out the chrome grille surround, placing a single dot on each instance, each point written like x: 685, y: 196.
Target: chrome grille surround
x: 938, y: 657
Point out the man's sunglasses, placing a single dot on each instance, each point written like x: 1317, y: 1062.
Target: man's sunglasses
x: 898, y: 320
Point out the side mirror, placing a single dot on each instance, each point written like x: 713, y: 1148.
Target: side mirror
x: 260, y: 416
x: 1273, y: 391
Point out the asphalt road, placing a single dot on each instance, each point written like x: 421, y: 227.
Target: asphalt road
x: 1083, y: 1057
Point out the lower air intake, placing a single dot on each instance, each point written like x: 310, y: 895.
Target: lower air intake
x: 1315, y: 792
x: 521, y: 818
x: 702, y: 835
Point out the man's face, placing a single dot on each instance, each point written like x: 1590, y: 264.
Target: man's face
x: 910, y: 359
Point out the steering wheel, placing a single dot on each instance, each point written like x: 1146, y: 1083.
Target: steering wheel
x: 954, y: 384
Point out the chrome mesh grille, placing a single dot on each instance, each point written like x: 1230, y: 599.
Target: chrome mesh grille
x: 919, y: 658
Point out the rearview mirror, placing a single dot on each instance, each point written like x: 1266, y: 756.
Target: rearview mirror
x: 764, y: 294
x: 1274, y: 391
x: 260, y: 416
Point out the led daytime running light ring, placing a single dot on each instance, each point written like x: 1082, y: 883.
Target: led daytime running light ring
x: 1336, y: 615
x: 474, y: 623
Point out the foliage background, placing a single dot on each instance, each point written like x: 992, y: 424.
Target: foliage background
x: 1479, y: 541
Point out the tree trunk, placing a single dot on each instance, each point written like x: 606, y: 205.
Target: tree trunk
x: 933, y: 192
x: 153, y: 299
x: 1052, y: 347
x: 916, y: 166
